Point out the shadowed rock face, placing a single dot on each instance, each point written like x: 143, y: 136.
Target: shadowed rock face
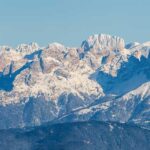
x: 77, y: 136
x: 6, y: 81
x: 131, y: 75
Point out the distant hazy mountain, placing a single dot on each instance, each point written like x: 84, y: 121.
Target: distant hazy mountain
x: 104, y: 79
x: 77, y: 136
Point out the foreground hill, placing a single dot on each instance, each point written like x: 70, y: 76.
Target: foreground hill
x: 77, y: 136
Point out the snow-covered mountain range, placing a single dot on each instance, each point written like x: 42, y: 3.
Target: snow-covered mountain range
x: 104, y: 79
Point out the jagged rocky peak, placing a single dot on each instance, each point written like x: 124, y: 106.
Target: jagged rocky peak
x: 5, y: 48
x: 56, y: 45
x: 139, y: 50
x: 27, y: 48
x: 54, y: 50
x: 103, y: 42
x: 147, y: 44
x: 131, y: 45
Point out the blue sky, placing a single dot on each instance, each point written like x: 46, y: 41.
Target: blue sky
x: 71, y: 21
